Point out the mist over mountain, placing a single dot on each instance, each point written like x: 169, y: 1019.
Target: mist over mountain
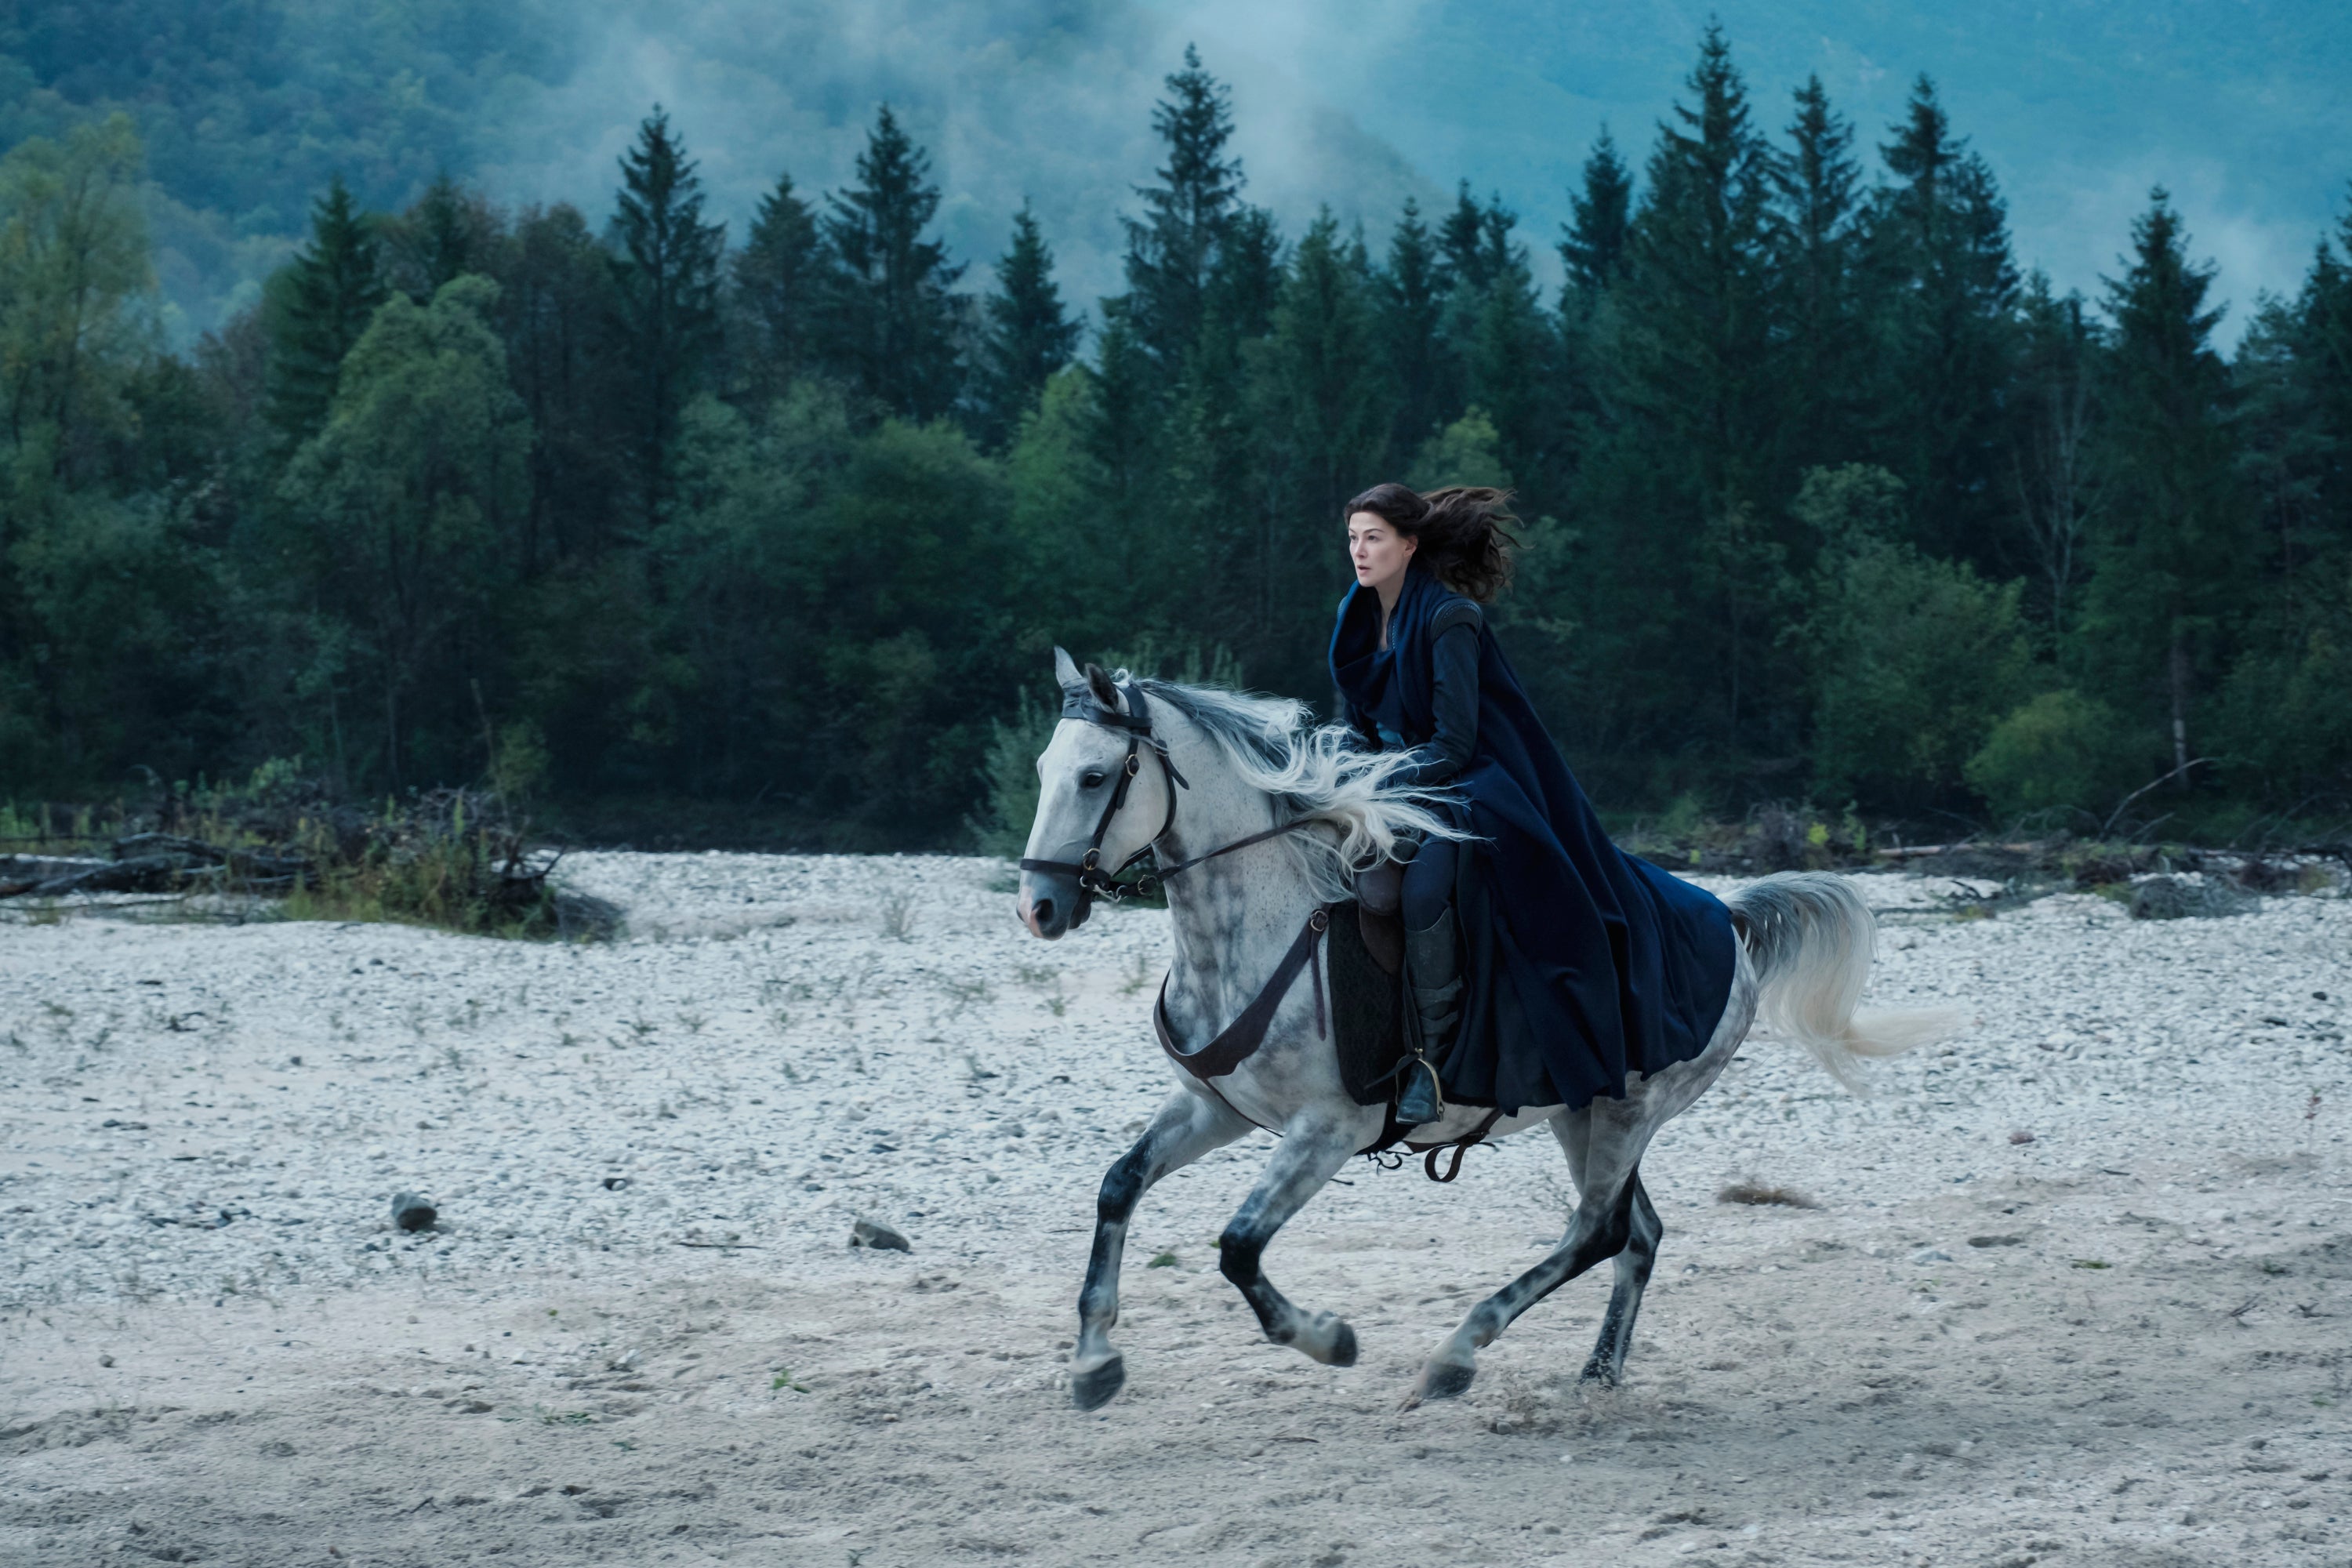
x: 248, y: 106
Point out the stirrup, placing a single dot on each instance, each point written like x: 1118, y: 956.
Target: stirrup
x: 1411, y: 1084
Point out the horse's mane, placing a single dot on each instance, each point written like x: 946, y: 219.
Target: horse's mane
x: 1312, y: 770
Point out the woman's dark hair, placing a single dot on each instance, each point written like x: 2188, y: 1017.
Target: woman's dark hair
x: 1462, y: 533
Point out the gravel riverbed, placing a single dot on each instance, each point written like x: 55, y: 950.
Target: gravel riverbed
x: 2076, y: 1288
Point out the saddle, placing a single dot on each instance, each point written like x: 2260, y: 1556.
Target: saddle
x: 1367, y: 958
x: 1367, y: 1019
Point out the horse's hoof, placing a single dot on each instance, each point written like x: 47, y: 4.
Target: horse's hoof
x: 1092, y: 1388
x: 1441, y: 1380
x: 1597, y: 1372
x: 1327, y: 1338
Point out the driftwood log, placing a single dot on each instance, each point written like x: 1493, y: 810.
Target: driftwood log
x: 176, y: 866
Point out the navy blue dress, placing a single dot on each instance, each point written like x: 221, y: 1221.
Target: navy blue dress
x: 1581, y: 962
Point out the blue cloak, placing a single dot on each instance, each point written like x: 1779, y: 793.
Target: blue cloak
x: 1581, y: 963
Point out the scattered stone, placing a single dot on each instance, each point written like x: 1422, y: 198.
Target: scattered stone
x: 2177, y: 897
x: 410, y: 1212
x: 106, y: 1361
x: 881, y: 1237
x: 1995, y: 1240
x: 614, y: 1184
x: 2159, y: 899
x: 1931, y: 1254
x: 2020, y: 1136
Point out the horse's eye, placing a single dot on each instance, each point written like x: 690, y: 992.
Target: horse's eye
x: 1091, y: 779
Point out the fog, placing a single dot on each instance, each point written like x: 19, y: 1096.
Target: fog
x: 1355, y: 104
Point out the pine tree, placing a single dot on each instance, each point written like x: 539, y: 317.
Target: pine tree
x: 1126, y: 390
x: 321, y: 303
x: 667, y: 278
x: 1172, y: 251
x: 890, y: 323
x: 1693, y: 294
x: 1943, y: 284
x: 1592, y: 243
x: 1412, y: 309
x: 448, y: 232
x: 1319, y: 412
x: 1329, y: 396
x: 1246, y: 279
x: 779, y: 276
x: 1030, y: 333
x: 559, y: 309
x: 1818, y: 309
x: 2049, y: 473
x: 2174, y: 547
x: 1461, y: 242
x: 1507, y: 346
x: 1690, y: 380
x: 2284, y: 715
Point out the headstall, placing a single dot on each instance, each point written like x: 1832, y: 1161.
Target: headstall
x: 1093, y: 883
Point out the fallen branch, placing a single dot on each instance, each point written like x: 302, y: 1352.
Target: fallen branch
x: 2110, y: 822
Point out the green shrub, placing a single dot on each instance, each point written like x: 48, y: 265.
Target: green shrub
x: 1915, y: 660
x: 2060, y: 751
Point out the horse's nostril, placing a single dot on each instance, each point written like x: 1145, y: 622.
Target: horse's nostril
x: 1045, y: 911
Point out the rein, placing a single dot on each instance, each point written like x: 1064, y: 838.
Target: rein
x: 1093, y: 883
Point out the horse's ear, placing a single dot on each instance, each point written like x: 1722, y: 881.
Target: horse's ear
x: 1105, y: 689
x: 1065, y: 670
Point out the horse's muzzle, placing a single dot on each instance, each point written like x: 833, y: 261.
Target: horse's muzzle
x: 1048, y: 908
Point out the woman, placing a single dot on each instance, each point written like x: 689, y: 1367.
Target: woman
x: 1576, y: 963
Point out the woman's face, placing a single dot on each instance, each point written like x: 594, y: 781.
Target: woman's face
x: 1379, y: 551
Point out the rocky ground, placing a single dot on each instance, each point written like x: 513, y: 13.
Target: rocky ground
x: 2077, y: 1289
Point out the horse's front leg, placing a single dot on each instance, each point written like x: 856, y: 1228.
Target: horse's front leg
x: 1186, y: 1126
x: 1313, y: 1147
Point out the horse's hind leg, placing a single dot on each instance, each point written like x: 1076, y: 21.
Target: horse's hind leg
x: 1611, y: 1140
x: 1634, y: 1264
x: 1310, y: 1155
x: 1186, y: 1126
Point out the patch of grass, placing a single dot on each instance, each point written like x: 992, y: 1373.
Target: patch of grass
x: 1162, y: 1260
x: 1139, y: 976
x: 784, y: 1380
x: 1758, y: 1194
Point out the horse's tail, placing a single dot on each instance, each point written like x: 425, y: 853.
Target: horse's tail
x: 1811, y: 937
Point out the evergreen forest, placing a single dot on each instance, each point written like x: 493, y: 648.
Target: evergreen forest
x: 1824, y: 499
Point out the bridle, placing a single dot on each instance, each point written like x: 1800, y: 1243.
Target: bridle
x: 1093, y: 883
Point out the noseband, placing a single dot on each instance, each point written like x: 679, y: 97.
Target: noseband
x: 1093, y: 883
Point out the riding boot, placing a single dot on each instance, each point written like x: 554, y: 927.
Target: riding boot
x: 1432, y: 969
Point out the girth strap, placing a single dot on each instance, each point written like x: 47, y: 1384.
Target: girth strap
x: 1240, y: 1039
